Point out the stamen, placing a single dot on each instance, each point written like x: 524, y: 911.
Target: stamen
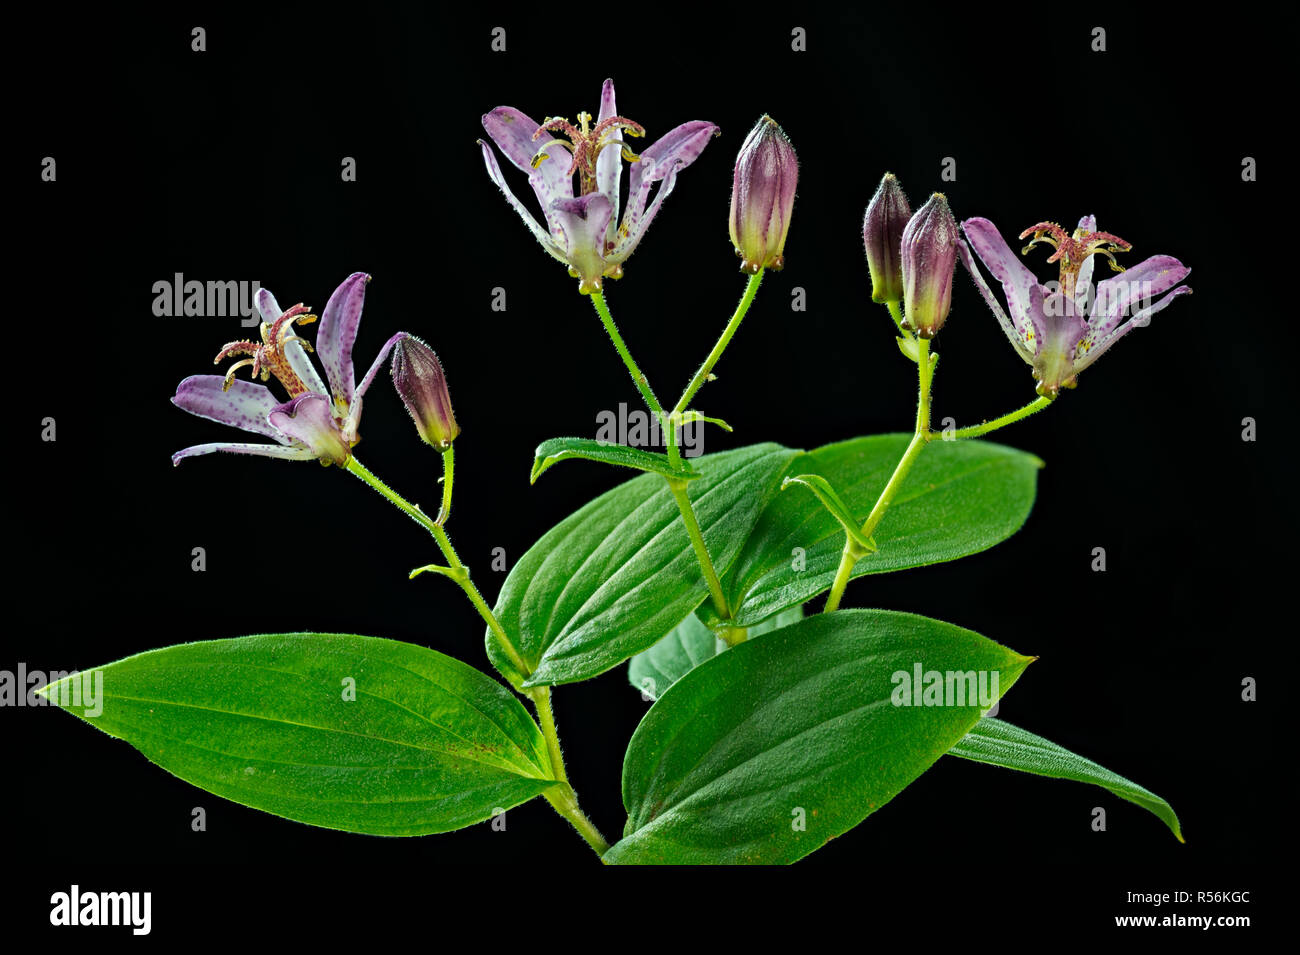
x: 230, y: 372
x: 627, y: 153
x: 543, y: 154
x: 1046, y: 240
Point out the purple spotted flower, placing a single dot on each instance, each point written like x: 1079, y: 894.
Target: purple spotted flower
x: 582, y: 229
x: 1062, y: 331
x: 317, y: 422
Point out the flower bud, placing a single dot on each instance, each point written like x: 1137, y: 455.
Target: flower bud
x: 762, y: 197
x: 928, y: 254
x: 882, y: 233
x: 418, y: 377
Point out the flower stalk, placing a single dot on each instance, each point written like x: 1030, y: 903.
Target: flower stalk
x: 562, y: 798
x: 852, y: 552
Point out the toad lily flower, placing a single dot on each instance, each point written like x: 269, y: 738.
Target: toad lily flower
x: 317, y: 422
x: 583, y: 230
x: 1061, y: 332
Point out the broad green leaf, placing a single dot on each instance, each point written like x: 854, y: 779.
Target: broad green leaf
x: 426, y: 744
x: 688, y: 645
x: 1001, y: 744
x: 561, y: 449
x: 615, y: 576
x: 766, y: 751
x: 961, y: 497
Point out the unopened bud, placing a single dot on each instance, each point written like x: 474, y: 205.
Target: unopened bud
x: 419, y: 379
x: 882, y: 233
x: 762, y: 197
x: 929, y: 254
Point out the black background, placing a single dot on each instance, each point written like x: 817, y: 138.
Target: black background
x: 225, y: 165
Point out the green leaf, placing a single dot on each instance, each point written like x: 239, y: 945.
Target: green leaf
x: 688, y: 645
x: 766, y: 751
x: 615, y: 576
x: 837, y: 508
x: 426, y: 745
x: 561, y: 449
x: 960, y: 498
x: 1001, y: 744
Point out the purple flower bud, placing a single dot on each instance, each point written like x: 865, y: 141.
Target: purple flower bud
x: 929, y: 254
x: 762, y: 197
x: 882, y: 232
x: 419, y: 379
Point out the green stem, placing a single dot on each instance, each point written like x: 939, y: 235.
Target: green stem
x: 701, y: 376
x: 682, y: 496
x: 1020, y: 413
x: 852, y: 554
x: 563, y: 798
x: 448, y: 470
x: 732, y: 635
x: 460, y: 571
x: 638, y: 378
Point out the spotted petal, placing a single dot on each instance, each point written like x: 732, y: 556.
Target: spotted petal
x: 609, y: 164
x: 1083, y: 284
x: 1058, y: 329
x: 676, y: 149
x: 1023, y: 346
x: 265, y: 450
x: 267, y: 305
x: 309, y: 421
x: 512, y: 131
x: 338, y: 332
x: 635, y: 223
x: 1142, y: 283
x: 1024, y: 294
x: 1088, y: 352
x: 294, y: 353
x: 584, y: 221
x: 247, y: 405
x: 539, y: 232
x: 353, y: 420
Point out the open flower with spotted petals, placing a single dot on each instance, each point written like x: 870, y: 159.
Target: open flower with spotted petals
x: 1062, y: 331
x: 318, y: 421
x: 582, y: 228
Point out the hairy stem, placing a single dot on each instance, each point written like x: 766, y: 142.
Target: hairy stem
x: 852, y: 554
x: 448, y: 471
x: 706, y: 369
x: 638, y: 377
x: 682, y: 496
x: 1019, y: 414
x: 460, y: 573
x: 562, y: 797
